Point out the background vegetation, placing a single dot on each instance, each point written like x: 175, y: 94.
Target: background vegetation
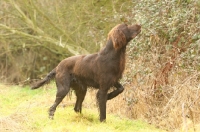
x: 36, y: 35
x: 163, y: 63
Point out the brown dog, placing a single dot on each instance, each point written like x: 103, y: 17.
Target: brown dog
x: 101, y: 70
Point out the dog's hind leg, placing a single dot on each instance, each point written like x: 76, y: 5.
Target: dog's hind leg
x: 80, y: 95
x: 116, y: 92
x: 63, y: 87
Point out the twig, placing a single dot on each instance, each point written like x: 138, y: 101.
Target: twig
x: 184, y: 117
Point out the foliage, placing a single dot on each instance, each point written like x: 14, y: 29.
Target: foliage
x: 170, y: 33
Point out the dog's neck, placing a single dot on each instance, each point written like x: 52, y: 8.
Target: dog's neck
x: 116, y: 56
x: 109, y: 49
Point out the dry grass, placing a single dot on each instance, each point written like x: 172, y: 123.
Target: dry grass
x: 174, y: 107
x: 13, y: 122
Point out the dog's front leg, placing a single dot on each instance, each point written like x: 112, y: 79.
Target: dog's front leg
x: 116, y: 92
x: 102, y: 99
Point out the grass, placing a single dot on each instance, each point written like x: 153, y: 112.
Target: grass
x: 22, y: 109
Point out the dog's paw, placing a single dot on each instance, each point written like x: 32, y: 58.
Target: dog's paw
x: 51, y: 117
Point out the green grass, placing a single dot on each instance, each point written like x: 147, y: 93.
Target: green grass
x: 22, y: 109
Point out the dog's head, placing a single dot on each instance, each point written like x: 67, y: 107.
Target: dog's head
x: 122, y: 34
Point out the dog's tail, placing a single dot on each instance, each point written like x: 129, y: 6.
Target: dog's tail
x: 45, y: 80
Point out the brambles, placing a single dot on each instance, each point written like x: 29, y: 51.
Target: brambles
x: 164, y: 64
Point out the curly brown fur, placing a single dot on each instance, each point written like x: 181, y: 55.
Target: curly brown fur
x: 101, y: 70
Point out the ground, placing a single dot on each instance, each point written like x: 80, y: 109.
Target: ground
x: 23, y: 110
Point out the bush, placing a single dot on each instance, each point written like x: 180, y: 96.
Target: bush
x: 163, y: 68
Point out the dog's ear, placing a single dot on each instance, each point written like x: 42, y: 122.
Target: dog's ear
x: 118, y: 38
